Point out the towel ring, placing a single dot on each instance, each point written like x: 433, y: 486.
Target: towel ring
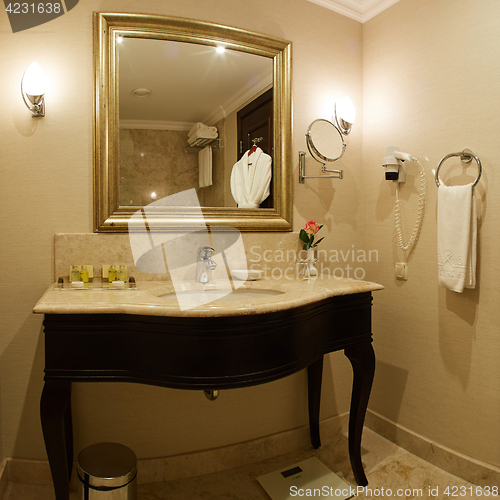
x: 466, y: 156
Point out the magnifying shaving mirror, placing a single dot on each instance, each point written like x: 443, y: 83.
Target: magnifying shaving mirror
x: 325, y: 140
x: 326, y: 144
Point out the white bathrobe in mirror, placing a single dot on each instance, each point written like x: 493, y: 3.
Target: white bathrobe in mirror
x: 250, y: 179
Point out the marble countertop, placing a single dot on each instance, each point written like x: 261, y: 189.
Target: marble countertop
x: 146, y: 300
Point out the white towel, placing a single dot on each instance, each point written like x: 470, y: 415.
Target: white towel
x: 200, y: 126
x: 205, y: 167
x: 202, y: 137
x: 457, y: 237
x: 250, y: 179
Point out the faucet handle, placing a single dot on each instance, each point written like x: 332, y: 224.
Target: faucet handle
x: 205, y: 252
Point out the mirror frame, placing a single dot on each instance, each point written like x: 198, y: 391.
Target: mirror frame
x: 108, y: 215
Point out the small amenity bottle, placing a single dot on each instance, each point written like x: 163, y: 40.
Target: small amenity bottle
x: 112, y: 274
x: 122, y: 273
x: 84, y: 274
x: 74, y: 274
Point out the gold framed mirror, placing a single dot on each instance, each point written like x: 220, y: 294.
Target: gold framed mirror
x: 113, y: 208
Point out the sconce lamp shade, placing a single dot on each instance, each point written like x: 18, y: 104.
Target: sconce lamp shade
x: 345, y: 114
x: 34, y: 81
x: 33, y: 87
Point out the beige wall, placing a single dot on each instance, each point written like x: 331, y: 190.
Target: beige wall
x: 431, y: 78
x: 428, y: 81
x: 46, y: 188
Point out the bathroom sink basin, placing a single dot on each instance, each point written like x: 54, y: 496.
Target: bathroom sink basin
x: 211, y: 295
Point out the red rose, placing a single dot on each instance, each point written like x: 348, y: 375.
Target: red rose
x: 311, y: 227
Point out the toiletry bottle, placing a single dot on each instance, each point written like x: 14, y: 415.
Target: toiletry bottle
x: 74, y: 274
x: 122, y: 273
x: 112, y: 274
x: 84, y: 274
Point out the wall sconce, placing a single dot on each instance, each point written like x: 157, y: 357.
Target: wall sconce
x: 345, y: 115
x: 33, y: 87
x: 325, y: 140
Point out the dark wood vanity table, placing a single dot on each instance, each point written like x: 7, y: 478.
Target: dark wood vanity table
x: 204, y: 353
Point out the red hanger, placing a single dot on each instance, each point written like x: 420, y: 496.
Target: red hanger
x: 252, y: 150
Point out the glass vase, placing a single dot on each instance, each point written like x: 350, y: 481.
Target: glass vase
x: 310, y: 270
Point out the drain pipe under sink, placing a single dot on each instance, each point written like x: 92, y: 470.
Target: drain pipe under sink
x: 211, y: 395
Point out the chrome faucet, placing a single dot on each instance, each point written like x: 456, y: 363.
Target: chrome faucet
x: 204, y: 264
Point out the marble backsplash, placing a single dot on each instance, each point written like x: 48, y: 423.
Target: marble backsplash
x: 274, y: 253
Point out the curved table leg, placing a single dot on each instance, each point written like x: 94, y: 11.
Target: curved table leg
x: 314, y: 379
x: 362, y: 359
x: 55, y: 414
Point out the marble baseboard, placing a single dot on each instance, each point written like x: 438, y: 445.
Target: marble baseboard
x: 474, y: 471
x: 229, y: 457
x: 4, y: 477
x: 155, y: 470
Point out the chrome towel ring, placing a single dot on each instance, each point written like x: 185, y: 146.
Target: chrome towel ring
x: 466, y: 156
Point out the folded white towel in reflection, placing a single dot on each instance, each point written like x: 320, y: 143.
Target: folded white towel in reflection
x: 457, y: 237
x: 201, y: 134
x: 201, y: 126
x: 205, y: 167
x: 250, y: 179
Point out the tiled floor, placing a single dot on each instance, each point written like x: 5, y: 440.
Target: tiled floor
x: 387, y: 466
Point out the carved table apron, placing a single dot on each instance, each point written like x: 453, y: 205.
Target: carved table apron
x: 204, y: 353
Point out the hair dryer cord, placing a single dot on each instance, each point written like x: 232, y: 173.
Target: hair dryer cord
x: 418, y: 223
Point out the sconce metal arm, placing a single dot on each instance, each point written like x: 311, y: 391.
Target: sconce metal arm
x: 36, y: 108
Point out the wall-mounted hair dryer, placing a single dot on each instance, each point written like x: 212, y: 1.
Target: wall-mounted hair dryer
x: 393, y: 164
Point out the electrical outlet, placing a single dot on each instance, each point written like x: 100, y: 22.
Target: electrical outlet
x: 402, y: 271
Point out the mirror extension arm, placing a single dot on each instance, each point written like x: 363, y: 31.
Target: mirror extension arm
x: 337, y: 174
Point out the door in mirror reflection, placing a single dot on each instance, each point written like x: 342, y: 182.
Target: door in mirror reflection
x: 255, y: 128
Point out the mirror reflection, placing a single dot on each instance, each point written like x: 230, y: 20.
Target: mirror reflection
x: 324, y: 141
x: 188, y: 116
